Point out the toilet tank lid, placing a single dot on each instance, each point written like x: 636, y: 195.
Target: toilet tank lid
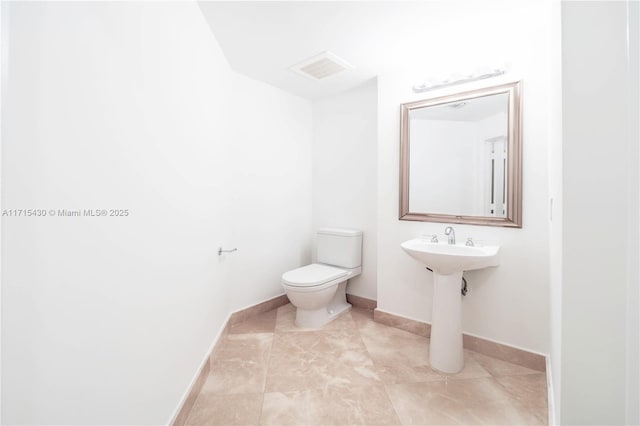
x: 340, y: 232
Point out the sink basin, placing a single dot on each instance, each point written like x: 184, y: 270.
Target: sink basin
x: 448, y: 262
x: 447, y: 259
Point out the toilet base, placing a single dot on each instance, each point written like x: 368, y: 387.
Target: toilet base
x: 319, y: 317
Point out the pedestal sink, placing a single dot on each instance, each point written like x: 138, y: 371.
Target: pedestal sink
x: 448, y: 262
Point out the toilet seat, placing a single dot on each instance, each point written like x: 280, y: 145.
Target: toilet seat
x: 314, y: 275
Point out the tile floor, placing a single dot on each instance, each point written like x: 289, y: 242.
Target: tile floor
x: 355, y: 371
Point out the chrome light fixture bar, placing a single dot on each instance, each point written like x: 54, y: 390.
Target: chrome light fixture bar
x: 425, y: 87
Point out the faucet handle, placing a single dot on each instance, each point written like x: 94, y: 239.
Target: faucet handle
x: 434, y: 237
x: 469, y: 242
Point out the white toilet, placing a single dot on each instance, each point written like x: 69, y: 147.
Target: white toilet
x: 318, y: 291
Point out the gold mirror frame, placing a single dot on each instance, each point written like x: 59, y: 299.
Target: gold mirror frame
x: 513, y: 217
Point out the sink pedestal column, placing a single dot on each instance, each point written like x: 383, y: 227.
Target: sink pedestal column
x: 445, y: 349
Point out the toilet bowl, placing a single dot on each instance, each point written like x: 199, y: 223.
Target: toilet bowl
x: 318, y: 291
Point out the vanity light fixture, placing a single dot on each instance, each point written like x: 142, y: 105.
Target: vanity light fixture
x: 426, y: 86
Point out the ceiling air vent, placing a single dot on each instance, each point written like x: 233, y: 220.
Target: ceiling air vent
x: 321, y: 66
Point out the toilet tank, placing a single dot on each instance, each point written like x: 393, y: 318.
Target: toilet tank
x: 339, y: 247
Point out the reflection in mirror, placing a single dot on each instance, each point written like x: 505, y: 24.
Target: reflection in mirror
x: 460, y: 158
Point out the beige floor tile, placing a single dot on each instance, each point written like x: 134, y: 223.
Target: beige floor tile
x: 498, y: 367
x: 472, y: 369
x: 395, y: 373
x: 391, y: 346
x: 457, y: 402
x: 361, y: 317
x: 319, y: 360
x: 252, y: 346
x: 391, y: 373
x: 227, y: 410
x: 531, y: 391
x: 356, y: 371
x: 316, y: 341
x: 348, y: 406
x: 241, y: 364
x: 263, y: 323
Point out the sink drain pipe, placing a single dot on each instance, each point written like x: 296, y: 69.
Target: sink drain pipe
x: 464, y: 290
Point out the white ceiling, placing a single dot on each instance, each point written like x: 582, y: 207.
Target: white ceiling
x: 263, y: 39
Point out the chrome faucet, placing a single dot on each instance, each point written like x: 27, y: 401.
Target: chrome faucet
x: 451, y: 234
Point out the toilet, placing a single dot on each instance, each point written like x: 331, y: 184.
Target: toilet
x: 318, y: 291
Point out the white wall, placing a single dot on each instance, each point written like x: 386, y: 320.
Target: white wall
x: 132, y: 105
x: 272, y: 134
x: 344, y: 173
x: 114, y: 106
x: 509, y: 303
x: 598, y: 158
x: 633, y: 283
x: 4, y: 51
x: 554, y: 376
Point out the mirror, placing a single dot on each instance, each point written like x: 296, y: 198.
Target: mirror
x: 461, y: 158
